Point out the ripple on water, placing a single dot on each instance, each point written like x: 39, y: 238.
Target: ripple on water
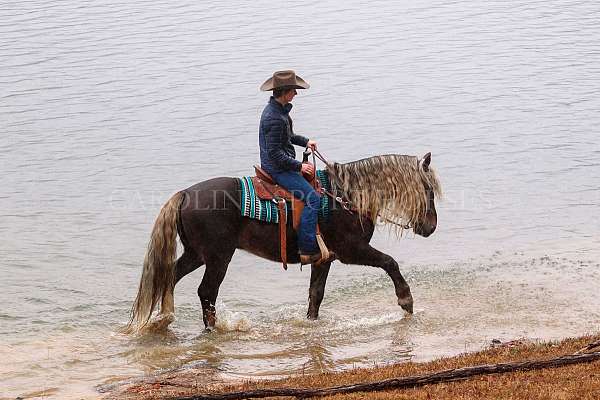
x: 7, y: 317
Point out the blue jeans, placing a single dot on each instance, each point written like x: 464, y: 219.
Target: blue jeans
x: 301, y: 189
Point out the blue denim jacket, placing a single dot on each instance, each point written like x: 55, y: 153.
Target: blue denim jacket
x: 276, y: 139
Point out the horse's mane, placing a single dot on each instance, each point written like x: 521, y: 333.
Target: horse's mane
x: 389, y: 186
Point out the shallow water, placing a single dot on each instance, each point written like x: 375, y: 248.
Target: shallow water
x: 108, y: 108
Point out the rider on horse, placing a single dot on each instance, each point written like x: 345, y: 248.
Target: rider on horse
x: 278, y: 157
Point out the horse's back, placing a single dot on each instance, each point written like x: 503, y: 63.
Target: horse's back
x: 219, y: 183
x: 214, y: 196
x: 210, y: 213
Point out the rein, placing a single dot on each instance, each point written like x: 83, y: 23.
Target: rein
x: 320, y: 156
x: 346, y: 205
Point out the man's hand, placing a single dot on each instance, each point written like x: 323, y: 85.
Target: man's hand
x: 308, y: 168
x: 312, y: 144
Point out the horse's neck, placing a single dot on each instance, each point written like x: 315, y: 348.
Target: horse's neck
x: 335, y: 190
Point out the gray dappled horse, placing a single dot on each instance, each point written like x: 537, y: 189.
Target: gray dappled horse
x: 397, y: 189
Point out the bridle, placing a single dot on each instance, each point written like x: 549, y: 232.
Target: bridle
x: 408, y: 226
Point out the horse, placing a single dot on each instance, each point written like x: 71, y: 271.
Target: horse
x: 392, y: 189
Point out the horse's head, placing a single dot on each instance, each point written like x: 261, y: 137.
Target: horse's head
x: 398, y: 189
x: 427, y: 224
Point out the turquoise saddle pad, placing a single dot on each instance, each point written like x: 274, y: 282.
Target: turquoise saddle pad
x: 266, y: 210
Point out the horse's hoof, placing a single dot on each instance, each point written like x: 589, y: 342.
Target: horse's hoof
x: 406, y: 304
x: 209, y: 329
x: 160, y: 323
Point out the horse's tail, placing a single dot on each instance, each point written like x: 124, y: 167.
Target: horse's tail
x: 158, y: 276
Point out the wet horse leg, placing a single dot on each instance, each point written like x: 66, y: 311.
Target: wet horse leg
x: 367, y: 255
x: 318, y: 278
x: 187, y: 263
x: 216, y: 268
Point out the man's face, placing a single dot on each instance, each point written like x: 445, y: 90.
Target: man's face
x: 289, y: 95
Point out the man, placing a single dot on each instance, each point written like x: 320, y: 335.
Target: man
x: 278, y: 157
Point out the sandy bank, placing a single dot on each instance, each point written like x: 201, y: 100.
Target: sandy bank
x: 580, y: 381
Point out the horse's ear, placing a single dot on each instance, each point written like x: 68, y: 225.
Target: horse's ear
x: 425, y: 161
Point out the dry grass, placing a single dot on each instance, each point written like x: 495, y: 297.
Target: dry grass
x: 573, y: 382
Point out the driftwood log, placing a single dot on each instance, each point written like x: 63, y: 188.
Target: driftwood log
x: 589, y: 347
x: 449, y: 375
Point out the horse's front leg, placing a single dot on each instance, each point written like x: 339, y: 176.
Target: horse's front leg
x: 367, y: 255
x: 318, y: 278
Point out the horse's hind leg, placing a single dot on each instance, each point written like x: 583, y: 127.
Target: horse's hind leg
x: 216, y: 268
x: 318, y: 278
x: 187, y: 263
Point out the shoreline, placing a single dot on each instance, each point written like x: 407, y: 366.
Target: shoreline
x: 574, y: 381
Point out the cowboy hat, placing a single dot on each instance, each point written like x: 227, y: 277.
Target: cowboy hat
x: 287, y: 79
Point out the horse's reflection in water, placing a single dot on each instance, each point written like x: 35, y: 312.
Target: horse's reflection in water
x: 399, y: 189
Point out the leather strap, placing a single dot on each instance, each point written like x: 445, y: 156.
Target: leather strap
x: 281, y: 206
x: 282, y: 232
x: 297, y: 208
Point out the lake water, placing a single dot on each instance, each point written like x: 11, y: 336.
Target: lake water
x: 108, y: 107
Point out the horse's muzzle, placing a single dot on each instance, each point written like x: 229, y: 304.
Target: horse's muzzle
x: 424, y: 230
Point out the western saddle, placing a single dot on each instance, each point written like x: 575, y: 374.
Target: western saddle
x: 266, y: 189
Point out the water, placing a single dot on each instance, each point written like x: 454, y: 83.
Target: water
x: 108, y: 108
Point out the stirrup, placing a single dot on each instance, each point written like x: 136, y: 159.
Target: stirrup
x: 316, y: 259
x: 306, y: 259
